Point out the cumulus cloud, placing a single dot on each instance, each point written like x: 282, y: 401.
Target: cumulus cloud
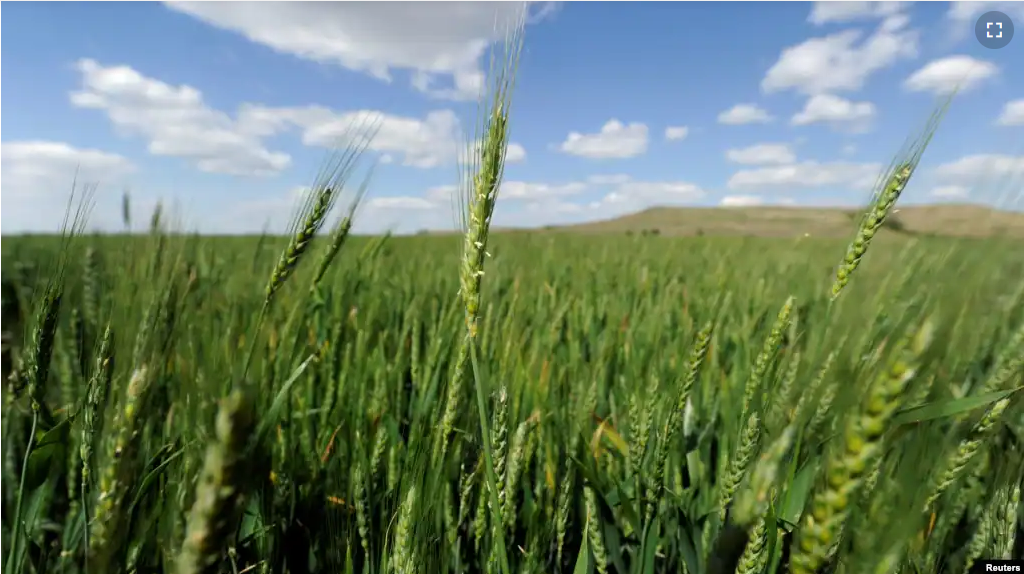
x: 538, y: 203
x: 945, y: 75
x: 949, y: 191
x: 1012, y: 114
x: 676, y: 133
x: 38, y: 178
x: 38, y: 167
x: 440, y: 45
x: 532, y: 204
x: 515, y: 153
x: 842, y: 61
x: 741, y: 201
x: 967, y: 12
x: 660, y: 191
x: 429, y: 142
x: 423, y: 143
x: 626, y: 196
x: 608, y: 179
x: 401, y: 202
x: 840, y: 113
x: 615, y: 141
x: 807, y: 174
x: 174, y: 121
x: 513, y: 190
x: 760, y: 154
x: 981, y: 167
x: 961, y: 16
x: 440, y: 193
x: 828, y: 12
x: 993, y: 178
x: 523, y: 190
x: 744, y: 114
x: 555, y: 207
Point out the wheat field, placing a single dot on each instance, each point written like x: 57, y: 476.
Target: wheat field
x: 512, y: 403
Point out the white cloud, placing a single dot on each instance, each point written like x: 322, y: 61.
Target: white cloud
x: 533, y: 204
x: 623, y: 188
x: 945, y: 75
x: 434, y: 210
x: 629, y: 196
x: 421, y: 143
x: 1012, y: 114
x: 807, y: 174
x: 741, y: 201
x: 961, y: 16
x: 661, y: 191
x: 949, y: 191
x: 993, y: 178
x: 175, y: 121
x: 555, y: 206
x: 513, y: 190
x: 435, y: 43
x: 432, y: 141
x: 753, y: 201
x: 744, y: 114
x: 35, y: 168
x: 442, y: 193
x: 849, y: 149
x: 515, y: 153
x: 676, y: 133
x: 615, y: 141
x: 759, y: 154
x: 835, y: 111
x: 520, y: 190
x: 404, y: 215
x: 38, y: 177
x: 825, y: 12
x: 608, y: 179
x: 984, y: 167
x: 964, y: 12
x: 841, y: 61
x: 401, y: 202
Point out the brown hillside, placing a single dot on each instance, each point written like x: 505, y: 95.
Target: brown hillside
x: 946, y: 220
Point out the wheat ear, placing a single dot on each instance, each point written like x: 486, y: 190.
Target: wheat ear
x: 895, y: 181
x: 965, y: 451
x: 766, y: 355
x: 846, y: 467
x: 109, y: 521
x: 482, y: 171
x: 222, y: 488
x: 739, y: 462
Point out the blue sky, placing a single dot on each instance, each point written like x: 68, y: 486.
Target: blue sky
x: 226, y: 110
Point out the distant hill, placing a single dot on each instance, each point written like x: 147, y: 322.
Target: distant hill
x: 924, y: 220
x: 947, y: 220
